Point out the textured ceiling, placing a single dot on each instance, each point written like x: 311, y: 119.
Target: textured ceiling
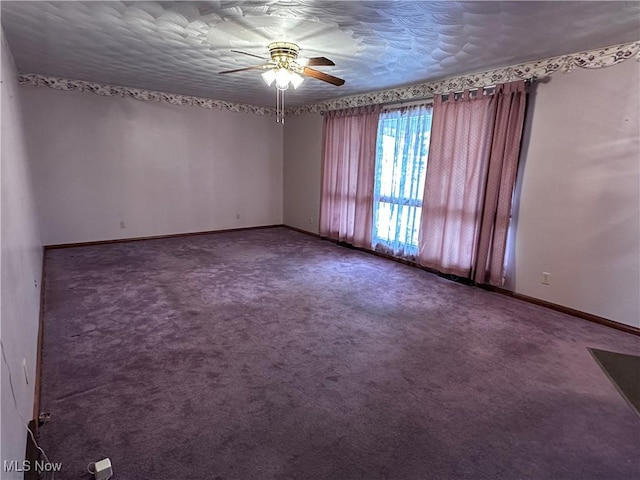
x: 180, y: 47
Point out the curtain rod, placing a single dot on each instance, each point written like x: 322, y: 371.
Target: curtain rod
x: 429, y: 100
x: 408, y: 103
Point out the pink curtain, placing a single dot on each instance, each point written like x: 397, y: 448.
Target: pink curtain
x: 348, y: 168
x: 470, y: 178
x: 511, y: 100
x: 451, y: 205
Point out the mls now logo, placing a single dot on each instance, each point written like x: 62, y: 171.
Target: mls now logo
x: 26, y: 466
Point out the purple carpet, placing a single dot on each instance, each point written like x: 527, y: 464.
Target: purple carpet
x: 270, y: 354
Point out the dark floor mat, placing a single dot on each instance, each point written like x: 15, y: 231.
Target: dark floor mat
x: 624, y: 371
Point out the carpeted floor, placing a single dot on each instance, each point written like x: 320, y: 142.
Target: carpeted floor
x: 270, y: 354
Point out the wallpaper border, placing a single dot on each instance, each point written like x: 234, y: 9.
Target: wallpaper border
x: 137, y: 93
x: 589, y: 59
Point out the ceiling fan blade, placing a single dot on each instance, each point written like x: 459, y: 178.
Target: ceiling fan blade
x: 311, y: 72
x: 317, y: 61
x: 254, y: 67
x: 251, y: 55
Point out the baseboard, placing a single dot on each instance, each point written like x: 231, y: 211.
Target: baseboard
x: 38, y: 374
x: 404, y: 261
x: 561, y: 308
x: 38, y: 379
x: 536, y: 301
x: 299, y: 230
x: 155, y: 237
x: 543, y: 303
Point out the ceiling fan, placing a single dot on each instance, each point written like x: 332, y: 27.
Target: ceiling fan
x: 285, y: 68
x: 284, y: 56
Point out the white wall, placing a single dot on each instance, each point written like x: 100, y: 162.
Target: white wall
x: 159, y: 168
x: 579, y: 212
x: 21, y: 265
x: 302, y: 171
x: 579, y: 202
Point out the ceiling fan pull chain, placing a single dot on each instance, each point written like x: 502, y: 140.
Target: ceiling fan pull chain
x: 282, y: 107
x: 279, y: 105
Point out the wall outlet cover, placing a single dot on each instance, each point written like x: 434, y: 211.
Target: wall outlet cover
x: 103, y: 469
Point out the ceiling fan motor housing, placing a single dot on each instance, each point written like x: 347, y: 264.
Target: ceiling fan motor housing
x: 283, y: 53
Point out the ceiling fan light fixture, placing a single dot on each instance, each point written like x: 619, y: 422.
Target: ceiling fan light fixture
x: 296, y: 80
x: 285, y: 68
x: 269, y: 76
x: 283, y: 76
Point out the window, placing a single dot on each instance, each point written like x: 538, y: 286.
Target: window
x: 401, y: 165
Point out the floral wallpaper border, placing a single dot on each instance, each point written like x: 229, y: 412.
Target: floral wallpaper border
x: 138, y: 94
x: 598, y: 58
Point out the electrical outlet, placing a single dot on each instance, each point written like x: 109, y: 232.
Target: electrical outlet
x: 44, y: 417
x: 310, y: 220
x: 546, y: 278
x: 237, y: 216
x: 122, y: 225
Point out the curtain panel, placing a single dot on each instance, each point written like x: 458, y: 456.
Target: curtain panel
x: 348, y: 168
x: 511, y: 101
x: 475, y: 142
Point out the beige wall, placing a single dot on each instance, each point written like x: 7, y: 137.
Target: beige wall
x: 578, y: 209
x: 302, y: 171
x: 159, y: 168
x: 21, y: 266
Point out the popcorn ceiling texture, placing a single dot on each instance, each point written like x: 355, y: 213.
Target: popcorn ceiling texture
x: 600, y: 58
x: 179, y: 47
